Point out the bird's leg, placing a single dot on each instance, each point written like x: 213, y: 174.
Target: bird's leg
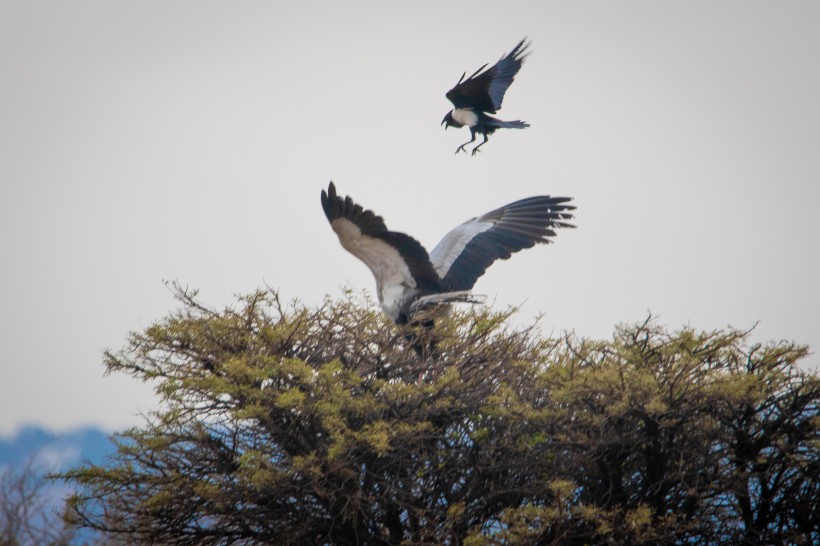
x: 461, y: 148
x: 480, y: 145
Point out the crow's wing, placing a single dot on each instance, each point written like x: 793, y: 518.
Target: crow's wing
x: 485, y: 91
x: 465, y: 253
x: 396, y: 259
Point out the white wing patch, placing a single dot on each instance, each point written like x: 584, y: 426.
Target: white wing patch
x: 394, y: 282
x: 451, y: 247
x: 465, y: 116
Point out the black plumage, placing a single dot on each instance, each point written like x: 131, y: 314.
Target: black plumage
x: 408, y: 278
x: 482, y: 94
x: 516, y: 226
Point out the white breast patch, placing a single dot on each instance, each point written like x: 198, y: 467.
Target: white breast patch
x: 465, y: 116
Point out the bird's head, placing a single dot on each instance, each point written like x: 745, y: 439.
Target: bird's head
x: 448, y: 121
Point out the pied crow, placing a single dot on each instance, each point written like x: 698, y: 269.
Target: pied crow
x: 409, y: 279
x: 482, y: 94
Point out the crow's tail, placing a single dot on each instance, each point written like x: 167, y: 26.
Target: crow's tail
x: 517, y: 124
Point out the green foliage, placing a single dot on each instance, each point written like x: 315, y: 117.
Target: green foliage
x: 284, y: 424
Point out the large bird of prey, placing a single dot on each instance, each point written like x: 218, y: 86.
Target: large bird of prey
x: 409, y: 279
x: 482, y: 94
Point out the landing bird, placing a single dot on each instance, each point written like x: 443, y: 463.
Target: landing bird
x: 408, y: 279
x: 483, y: 93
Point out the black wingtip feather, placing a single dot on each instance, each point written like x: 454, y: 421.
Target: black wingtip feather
x: 482, y: 67
x: 338, y: 207
x: 475, y: 92
x: 372, y: 225
x: 520, y: 50
x: 516, y: 226
x: 328, y: 199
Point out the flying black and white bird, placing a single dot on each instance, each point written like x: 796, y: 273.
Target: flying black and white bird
x: 482, y: 94
x: 409, y: 279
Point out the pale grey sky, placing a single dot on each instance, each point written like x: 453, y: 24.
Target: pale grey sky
x: 189, y: 141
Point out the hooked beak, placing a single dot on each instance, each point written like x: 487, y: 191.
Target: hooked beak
x: 443, y: 122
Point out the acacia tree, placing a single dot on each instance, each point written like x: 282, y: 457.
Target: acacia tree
x: 286, y: 424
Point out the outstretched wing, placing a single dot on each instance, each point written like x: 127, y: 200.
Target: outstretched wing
x: 485, y: 91
x: 465, y: 253
x: 396, y: 259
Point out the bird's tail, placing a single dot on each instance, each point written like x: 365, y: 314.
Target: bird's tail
x: 430, y: 308
x: 444, y: 298
x: 517, y: 124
